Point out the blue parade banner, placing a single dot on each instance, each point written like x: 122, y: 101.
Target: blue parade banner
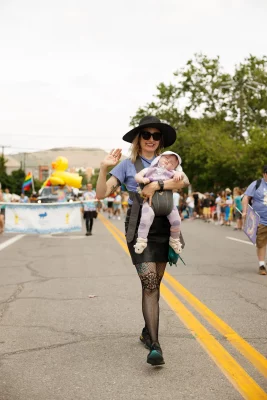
x: 251, y: 224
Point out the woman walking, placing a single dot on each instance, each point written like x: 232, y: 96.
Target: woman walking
x: 148, y: 139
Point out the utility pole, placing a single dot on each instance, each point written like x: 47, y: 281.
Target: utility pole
x: 3, y: 149
x: 24, y: 162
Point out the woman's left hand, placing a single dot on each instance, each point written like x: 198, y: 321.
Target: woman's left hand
x: 149, y: 191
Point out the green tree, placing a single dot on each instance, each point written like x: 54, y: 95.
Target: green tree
x: 4, y: 178
x: 37, y: 185
x: 94, y: 177
x: 248, y: 102
x: 17, y: 178
x: 84, y: 177
x: 221, y: 120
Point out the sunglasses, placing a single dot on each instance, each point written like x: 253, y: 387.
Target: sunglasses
x: 147, y: 135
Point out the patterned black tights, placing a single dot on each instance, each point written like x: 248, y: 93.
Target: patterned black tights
x: 151, y: 275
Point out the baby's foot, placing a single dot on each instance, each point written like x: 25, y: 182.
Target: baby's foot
x: 176, y: 245
x: 140, y: 245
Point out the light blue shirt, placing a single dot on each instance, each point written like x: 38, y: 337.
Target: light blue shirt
x: 238, y: 202
x: 259, y: 199
x: 89, y: 202
x: 125, y: 173
x: 24, y: 200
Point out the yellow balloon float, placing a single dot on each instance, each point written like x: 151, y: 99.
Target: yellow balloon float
x: 59, y: 175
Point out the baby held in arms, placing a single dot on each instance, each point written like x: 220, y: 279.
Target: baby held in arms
x: 163, y: 168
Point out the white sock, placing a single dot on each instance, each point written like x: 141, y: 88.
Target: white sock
x: 261, y: 263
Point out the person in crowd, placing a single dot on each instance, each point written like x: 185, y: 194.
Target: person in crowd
x: 191, y: 205
x: 196, y: 204
x: 62, y: 193
x: 24, y: 198
x: 99, y: 206
x: 117, y: 205
x: 161, y: 169
x: 147, y: 139
x: 7, y: 196
x: 89, y: 208
x: 223, y: 205
x: 218, y: 207
x: 124, y: 202
x: 238, y: 209
x: 176, y: 200
x: 228, y: 206
x: 34, y: 197
x: 206, y: 207
x: 183, y: 207
x: 2, y: 212
x: 110, y: 200
x: 258, y: 195
x: 212, y: 207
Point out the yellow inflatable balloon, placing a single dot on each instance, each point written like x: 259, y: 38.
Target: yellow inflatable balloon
x: 60, y: 177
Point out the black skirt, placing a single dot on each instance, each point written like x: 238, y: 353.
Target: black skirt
x: 157, y: 241
x: 89, y: 214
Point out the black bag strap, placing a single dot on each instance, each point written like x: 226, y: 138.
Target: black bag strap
x: 135, y: 209
x: 258, y: 183
x: 138, y: 165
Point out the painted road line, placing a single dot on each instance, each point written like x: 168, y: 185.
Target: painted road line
x: 239, y: 240
x: 113, y: 231
x: 248, y: 388
x: 10, y: 241
x: 248, y: 351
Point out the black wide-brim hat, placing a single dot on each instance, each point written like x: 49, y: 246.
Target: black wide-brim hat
x: 167, y: 131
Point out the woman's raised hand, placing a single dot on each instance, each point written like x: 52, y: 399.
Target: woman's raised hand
x: 112, y: 158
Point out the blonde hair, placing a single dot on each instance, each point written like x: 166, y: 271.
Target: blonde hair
x: 135, y: 148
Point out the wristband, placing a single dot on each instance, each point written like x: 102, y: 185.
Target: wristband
x: 161, y: 185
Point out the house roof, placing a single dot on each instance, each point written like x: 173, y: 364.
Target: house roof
x: 11, y: 162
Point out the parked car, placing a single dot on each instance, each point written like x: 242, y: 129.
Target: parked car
x: 48, y: 195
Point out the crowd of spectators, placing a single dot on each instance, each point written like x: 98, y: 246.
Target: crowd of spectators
x: 223, y: 208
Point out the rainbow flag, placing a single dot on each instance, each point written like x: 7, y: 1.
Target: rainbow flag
x: 28, y: 182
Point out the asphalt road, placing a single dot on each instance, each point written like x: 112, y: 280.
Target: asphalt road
x: 70, y: 319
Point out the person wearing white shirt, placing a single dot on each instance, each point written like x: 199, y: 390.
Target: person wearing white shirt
x: 190, y: 204
x: 7, y: 196
x: 218, y: 207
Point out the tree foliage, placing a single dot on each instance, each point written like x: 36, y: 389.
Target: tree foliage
x: 220, y: 118
x: 14, y: 181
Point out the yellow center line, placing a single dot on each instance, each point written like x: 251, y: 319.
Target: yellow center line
x: 248, y: 351
x: 246, y: 386
x: 240, y: 379
x: 115, y: 232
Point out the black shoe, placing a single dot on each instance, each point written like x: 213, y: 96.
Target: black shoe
x: 262, y: 270
x: 155, y: 356
x: 145, y: 338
